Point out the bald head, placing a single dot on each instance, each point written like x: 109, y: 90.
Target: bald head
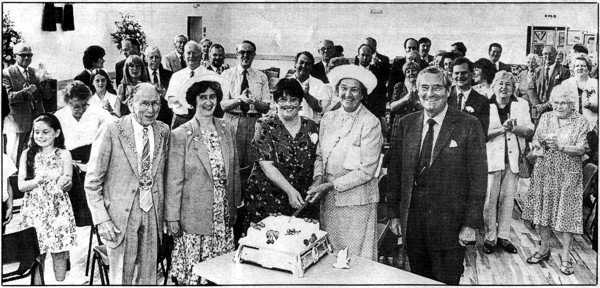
x: 549, y: 55
x: 326, y: 49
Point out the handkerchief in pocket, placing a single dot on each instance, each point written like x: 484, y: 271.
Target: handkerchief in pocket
x: 453, y: 144
x: 352, y: 160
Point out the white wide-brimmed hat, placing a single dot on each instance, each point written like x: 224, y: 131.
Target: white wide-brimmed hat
x: 353, y: 72
x: 210, y: 77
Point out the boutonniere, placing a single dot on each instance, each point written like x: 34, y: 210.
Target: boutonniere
x: 189, y: 132
x: 196, y: 138
x: 314, y: 137
x: 589, y: 92
x: 557, y: 77
x: 469, y: 109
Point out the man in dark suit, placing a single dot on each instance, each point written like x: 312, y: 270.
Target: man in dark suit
x: 424, y: 46
x: 375, y: 102
x: 495, y: 51
x: 320, y: 69
x: 551, y: 75
x: 160, y: 77
x: 93, y: 58
x: 411, y: 46
x: 25, y: 97
x: 129, y: 46
x: 463, y: 97
x: 437, y: 181
x: 380, y: 60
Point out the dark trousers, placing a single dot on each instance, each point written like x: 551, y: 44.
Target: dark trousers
x: 441, y: 265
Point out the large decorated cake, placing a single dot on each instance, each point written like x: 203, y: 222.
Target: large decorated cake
x: 284, y: 242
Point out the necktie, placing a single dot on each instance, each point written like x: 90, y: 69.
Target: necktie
x: 546, y: 83
x: 426, y: 149
x: 182, y: 62
x: 192, y: 74
x: 26, y: 74
x: 244, y: 106
x: 145, y: 177
x: 155, y: 79
x: 460, y: 98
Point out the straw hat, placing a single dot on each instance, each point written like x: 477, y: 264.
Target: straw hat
x: 353, y: 72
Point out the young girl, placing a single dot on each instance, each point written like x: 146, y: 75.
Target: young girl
x: 45, y: 173
x: 104, y: 95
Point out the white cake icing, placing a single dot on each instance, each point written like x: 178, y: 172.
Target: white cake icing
x: 287, y: 243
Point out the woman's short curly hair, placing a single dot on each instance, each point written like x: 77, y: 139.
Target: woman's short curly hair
x: 201, y: 87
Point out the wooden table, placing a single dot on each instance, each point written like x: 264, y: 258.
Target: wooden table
x: 223, y: 271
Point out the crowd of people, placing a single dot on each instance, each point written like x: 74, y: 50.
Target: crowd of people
x: 188, y: 145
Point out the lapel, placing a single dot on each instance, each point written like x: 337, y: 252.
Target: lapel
x: 158, y: 142
x: 127, y: 140
x: 413, y: 139
x: 445, y: 132
x: 225, y: 139
x: 452, y: 99
x: 471, y: 99
x: 196, y: 138
x: 17, y: 73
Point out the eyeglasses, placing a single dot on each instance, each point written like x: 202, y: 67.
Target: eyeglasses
x: 245, y: 52
x: 25, y: 55
x: 147, y: 104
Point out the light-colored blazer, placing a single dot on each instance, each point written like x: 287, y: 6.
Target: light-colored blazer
x: 23, y: 107
x: 348, y: 155
x: 171, y: 62
x: 591, y: 85
x: 190, y: 186
x: 519, y: 109
x: 112, y: 178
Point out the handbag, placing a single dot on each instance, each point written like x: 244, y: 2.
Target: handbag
x: 525, y: 165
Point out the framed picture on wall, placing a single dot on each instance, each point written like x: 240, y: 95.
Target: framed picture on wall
x: 589, y: 40
x: 561, y: 38
x: 540, y: 36
x: 574, y: 37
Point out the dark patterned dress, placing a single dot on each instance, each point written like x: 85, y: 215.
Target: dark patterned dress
x: 191, y: 249
x: 294, y: 157
x: 555, y: 195
x: 411, y: 106
x: 48, y: 208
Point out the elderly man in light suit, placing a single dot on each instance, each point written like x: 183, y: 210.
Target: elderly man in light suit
x: 175, y: 60
x: 25, y: 98
x: 125, y: 190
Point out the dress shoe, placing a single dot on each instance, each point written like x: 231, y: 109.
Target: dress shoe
x: 537, y: 257
x: 507, y: 246
x: 488, y: 247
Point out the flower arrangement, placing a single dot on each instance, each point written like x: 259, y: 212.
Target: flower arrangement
x: 128, y: 28
x: 10, y: 37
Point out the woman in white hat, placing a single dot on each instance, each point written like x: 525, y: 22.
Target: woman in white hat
x: 203, y: 186
x: 345, y: 175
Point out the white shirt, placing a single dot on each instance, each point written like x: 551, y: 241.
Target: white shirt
x: 111, y: 98
x: 23, y: 72
x: 258, y: 85
x: 314, y: 87
x: 439, y: 120
x: 177, y: 80
x: 465, y: 96
x: 8, y: 168
x: 138, y: 133
x: 82, y: 132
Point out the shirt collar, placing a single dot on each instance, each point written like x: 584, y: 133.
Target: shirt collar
x: 240, y: 69
x: 439, y: 119
x: 150, y: 71
x: 21, y: 69
x: 552, y: 67
x: 465, y: 93
x: 350, y: 114
x: 137, y: 127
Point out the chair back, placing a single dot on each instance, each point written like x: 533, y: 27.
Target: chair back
x: 272, y: 83
x: 20, y: 247
x: 13, y: 180
x: 81, y: 210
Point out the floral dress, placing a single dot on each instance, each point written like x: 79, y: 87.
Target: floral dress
x: 191, y: 249
x: 48, y: 208
x: 413, y: 105
x: 556, y: 190
x: 293, y: 156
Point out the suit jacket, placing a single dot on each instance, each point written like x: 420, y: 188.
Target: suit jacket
x: 504, y: 67
x: 84, y: 77
x: 318, y: 71
x: 383, y: 61
x: 119, y: 72
x: 190, y: 187
x: 528, y: 89
x: 112, y: 179
x: 557, y: 76
x: 479, y: 103
x: 350, y: 162
x: 496, y: 147
x: 396, y: 75
x: 171, y: 62
x: 429, y: 58
x: 458, y: 181
x: 376, y: 101
x: 24, y: 107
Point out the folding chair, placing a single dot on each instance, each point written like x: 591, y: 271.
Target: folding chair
x: 23, y: 248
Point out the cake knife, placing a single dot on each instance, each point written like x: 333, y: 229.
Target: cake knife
x: 298, y: 211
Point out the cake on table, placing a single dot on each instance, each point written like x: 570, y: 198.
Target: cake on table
x: 284, y: 242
